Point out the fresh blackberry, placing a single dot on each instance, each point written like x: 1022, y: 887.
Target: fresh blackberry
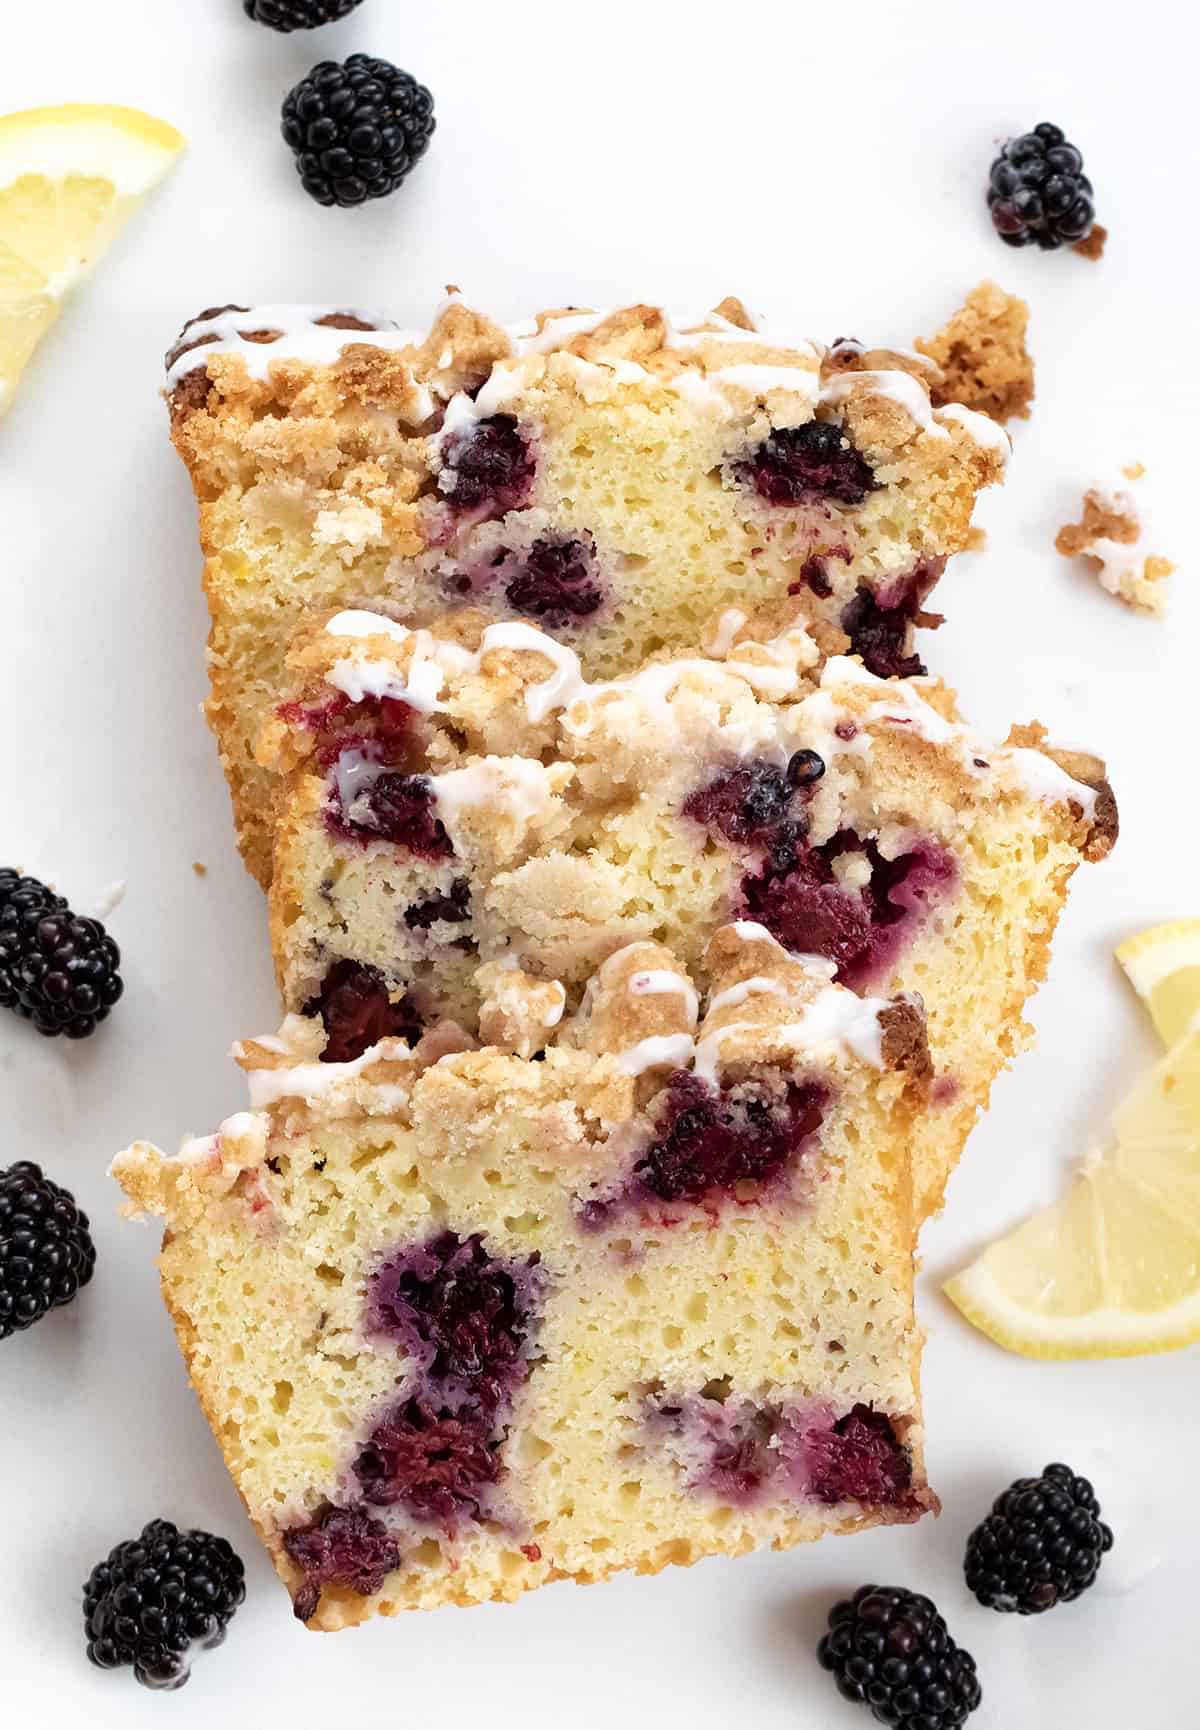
x: 888, y: 1649
x: 1038, y: 191
x: 288, y: 15
x: 1041, y: 1544
x: 46, y: 1250
x: 157, y: 1597
x: 357, y: 129
x: 56, y: 969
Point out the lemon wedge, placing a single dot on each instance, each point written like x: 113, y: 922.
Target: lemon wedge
x: 1163, y: 966
x: 70, y: 177
x: 1114, y: 1269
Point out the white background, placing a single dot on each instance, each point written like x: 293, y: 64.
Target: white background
x: 828, y: 164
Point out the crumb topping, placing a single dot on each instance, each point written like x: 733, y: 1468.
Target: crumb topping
x: 1112, y: 536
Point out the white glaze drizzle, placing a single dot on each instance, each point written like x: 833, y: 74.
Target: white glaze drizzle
x: 314, y: 1081
x: 759, y: 378
x: 661, y: 1049
x: 899, y: 387
x: 834, y: 1019
x: 302, y: 338
x: 661, y: 982
x: 518, y: 788
x: 359, y: 675
x: 981, y: 427
x: 758, y: 986
x: 896, y: 701
x: 724, y: 629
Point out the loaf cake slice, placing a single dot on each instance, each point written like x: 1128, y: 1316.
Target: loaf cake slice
x: 618, y: 477
x: 464, y: 1322
x: 464, y: 794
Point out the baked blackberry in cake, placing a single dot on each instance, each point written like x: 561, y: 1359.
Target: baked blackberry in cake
x: 617, y: 477
x: 463, y: 793
x: 464, y: 1322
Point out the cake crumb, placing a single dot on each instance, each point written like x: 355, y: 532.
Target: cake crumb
x: 976, y: 540
x: 981, y: 351
x: 1111, y: 537
x: 1092, y: 244
x: 199, y: 869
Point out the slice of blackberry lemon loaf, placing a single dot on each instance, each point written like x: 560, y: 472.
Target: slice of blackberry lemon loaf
x: 463, y: 794
x: 464, y: 1323
x: 618, y: 477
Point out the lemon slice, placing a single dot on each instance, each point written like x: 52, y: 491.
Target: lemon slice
x: 1114, y: 1269
x: 69, y: 178
x: 1163, y: 966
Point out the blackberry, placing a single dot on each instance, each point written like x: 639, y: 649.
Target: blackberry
x: 57, y: 970
x: 888, y: 1649
x: 807, y: 464
x: 805, y: 767
x: 357, y: 129
x: 344, y: 1547
x: 1041, y: 1544
x: 745, y: 805
x: 156, y: 1597
x: 46, y: 1250
x: 357, y: 1009
x: 1038, y: 191
x: 288, y: 15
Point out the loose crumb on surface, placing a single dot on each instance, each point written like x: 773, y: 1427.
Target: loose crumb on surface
x: 199, y: 869
x: 1092, y: 244
x: 976, y: 540
x: 981, y: 351
x: 1111, y: 536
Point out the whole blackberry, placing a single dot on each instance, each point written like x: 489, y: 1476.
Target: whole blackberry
x: 287, y: 15
x: 357, y: 129
x: 46, y: 1250
x: 57, y: 970
x: 889, y: 1650
x: 1041, y: 1544
x: 156, y: 1597
x: 1039, y: 192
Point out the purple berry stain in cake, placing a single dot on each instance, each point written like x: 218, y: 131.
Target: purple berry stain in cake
x: 749, y: 1453
x: 341, y: 1547
x: 710, y: 1143
x: 436, y: 1466
x: 461, y: 1314
x: 879, y: 622
x: 795, y: 890
x: 810, y: 464
x: 727, y: 1448
x: 738, y: 1143
x: 554, y: 580
x: 744, y: 805
x: 487, y: 468
x: 864, y: 930
x: 855, y: 1458
x: 371, y: 801
x: 463, y: 1317
x: 357, y: 1011
x: 814, y: 572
